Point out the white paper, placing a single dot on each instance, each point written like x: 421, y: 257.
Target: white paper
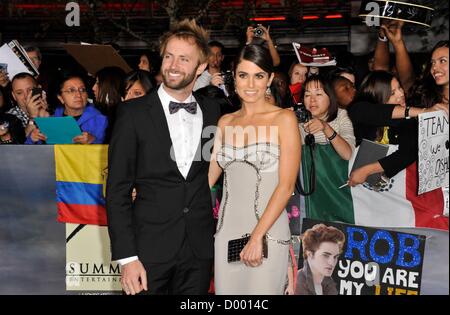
x: 433, y: 151
x: 15, y: 66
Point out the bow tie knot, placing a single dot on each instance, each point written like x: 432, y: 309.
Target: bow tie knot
x: 189, y: 107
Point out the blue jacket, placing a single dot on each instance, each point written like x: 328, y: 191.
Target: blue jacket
x: 91, y: 121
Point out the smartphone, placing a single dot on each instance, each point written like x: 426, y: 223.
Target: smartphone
x: 36, y: 91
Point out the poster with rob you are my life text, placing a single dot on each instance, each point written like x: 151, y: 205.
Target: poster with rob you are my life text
x: 357, y: 260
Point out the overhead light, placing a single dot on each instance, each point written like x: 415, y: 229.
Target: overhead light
x: 310, y: 17
x: 264, y: 19
x: 334, y: 16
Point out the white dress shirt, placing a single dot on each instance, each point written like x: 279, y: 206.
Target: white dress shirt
x: 185, y: 132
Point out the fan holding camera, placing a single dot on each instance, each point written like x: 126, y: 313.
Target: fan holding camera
x: 328, y: 123
x: 259, y: 31
x: 30, y: 100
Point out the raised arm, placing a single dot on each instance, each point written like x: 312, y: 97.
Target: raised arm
x: 381, y: 56
x: 402, y: 60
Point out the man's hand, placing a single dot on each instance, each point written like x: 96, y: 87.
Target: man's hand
x: 217, y: 79
x: 134, y: 278
x: 34, y: 104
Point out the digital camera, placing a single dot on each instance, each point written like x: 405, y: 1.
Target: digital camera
x: 227, y: 77
x: 258, y: 31
x: 303, y: 115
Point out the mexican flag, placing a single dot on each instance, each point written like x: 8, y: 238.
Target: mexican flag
x: 395, y: 205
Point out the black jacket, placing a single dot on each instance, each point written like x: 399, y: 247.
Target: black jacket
x: 168, y: 208
x: 367, y: 117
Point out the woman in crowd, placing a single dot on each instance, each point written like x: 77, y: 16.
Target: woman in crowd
x: 297, y: 74
x: 328, y: 124
x: 108, y: 90
x: 73, y: 97
x: 260, y: 168
x: 376, y: 115
x: 137, y: 84
x: 145, y: 62
x: 433, y: 86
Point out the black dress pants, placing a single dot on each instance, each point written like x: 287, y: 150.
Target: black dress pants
x: 183, y: 275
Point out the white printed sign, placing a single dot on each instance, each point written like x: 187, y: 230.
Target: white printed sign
x: 433, y: 151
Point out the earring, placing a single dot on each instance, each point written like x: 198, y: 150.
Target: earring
x: 268, y: 92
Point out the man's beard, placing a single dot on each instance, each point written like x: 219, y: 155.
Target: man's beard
x: 181, y: 85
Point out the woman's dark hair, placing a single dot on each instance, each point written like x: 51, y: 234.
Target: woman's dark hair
x: 375, y: 88
x: 256, y: 54
x: 425, y: 92
x: 142, y: 76
x: 110, y: 87
x: 320, y: 79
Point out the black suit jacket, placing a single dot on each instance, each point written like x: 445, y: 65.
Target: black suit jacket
x: 168, y: 208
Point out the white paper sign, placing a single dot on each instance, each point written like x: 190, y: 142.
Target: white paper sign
x: 15, y: 66
x: 433, y: 151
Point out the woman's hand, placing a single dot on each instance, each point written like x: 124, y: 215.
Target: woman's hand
x: 252, y: 254
x: 36, y: 135
x: 265, y: 35
x: 84, y: 138
x: 314, y: 126
x: 250, y: 34
x: 360, y: 175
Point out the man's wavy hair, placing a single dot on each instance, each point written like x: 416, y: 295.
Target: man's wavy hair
x: 190, y: 31
x: 318, y: 234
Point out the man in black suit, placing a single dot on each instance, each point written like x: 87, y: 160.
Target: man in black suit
x: 164, y: 240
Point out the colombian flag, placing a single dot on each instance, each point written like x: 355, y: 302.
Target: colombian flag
x: 80, y: 177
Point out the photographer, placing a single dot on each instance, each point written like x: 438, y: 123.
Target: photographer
x: 261, y: 32
x: 30, y: 100
x: 328, y: 123
x: 213, y: 74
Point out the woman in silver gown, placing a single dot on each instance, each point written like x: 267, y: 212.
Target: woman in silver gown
x: 258, y: 149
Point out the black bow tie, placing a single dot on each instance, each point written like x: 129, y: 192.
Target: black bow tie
x: 189, y: 107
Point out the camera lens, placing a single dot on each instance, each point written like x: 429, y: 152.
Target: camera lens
x: 258, y: 32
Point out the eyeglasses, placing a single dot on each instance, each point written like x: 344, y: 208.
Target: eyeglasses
x: 72, y: 91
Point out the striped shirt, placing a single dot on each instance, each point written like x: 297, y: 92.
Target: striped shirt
x: 341, y: 124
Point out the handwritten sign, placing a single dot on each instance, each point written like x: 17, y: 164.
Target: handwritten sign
x: 433, y: 151
x: 359, y: 260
